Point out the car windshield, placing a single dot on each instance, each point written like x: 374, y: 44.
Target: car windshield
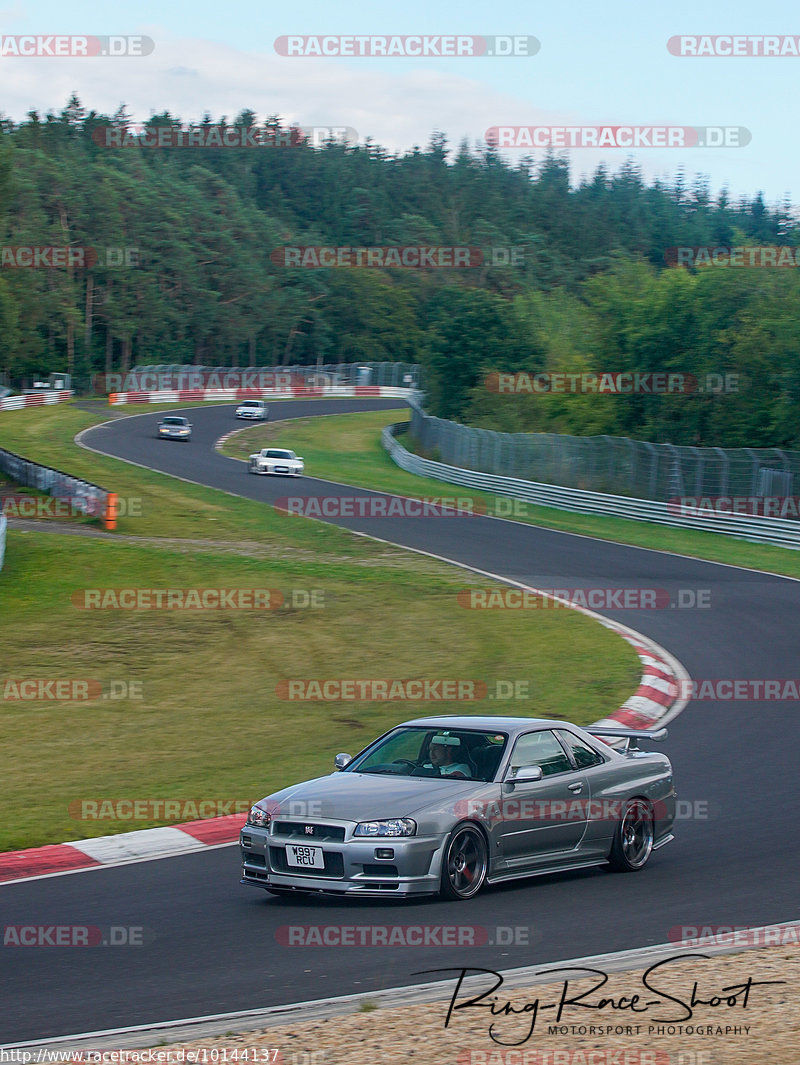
x: 250, y: 403
x: 273, y: 453
x: 425, y: 751
x: 174, y: 421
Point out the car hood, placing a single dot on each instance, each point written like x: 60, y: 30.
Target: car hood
x: 368, y: 796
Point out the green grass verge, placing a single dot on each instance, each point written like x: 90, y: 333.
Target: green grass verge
x: 346, y: 447
x: 209, y: 724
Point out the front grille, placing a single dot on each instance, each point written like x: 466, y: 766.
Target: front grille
x: 334, y: 864
x: 324, y: 833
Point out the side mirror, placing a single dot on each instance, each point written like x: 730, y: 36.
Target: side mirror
x: 341, y: 760
x: 526, y: 774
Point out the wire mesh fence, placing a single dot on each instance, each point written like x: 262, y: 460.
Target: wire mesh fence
x: 611, y: 464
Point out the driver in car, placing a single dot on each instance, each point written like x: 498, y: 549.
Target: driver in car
x: 444, y: 752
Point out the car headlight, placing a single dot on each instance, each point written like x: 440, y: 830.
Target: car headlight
x: 397, y: 826
x: 259, y: 818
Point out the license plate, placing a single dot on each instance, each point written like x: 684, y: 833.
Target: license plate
x: 281, y: 469
x: 305, y: 857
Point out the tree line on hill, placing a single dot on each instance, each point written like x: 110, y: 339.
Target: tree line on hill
x: 173, y: 255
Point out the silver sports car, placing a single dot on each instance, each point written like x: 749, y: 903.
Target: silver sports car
x: 446, y: 804
x: 276, y: 460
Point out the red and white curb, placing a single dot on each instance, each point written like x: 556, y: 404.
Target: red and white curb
x: 656, y: 698
x: 120, y: 849
x: 34, y: 399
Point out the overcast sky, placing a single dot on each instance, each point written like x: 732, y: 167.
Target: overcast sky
x: 597, y: 64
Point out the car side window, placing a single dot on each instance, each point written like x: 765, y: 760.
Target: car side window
x: 584, y: 755
x: 542, y: 749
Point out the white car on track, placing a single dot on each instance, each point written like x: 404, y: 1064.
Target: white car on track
x: 255, y: 409
x: 276, y: 460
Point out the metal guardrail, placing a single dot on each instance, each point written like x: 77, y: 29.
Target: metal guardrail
x: 3, y: 527
x: 778, y: 531
x: 84, y: 497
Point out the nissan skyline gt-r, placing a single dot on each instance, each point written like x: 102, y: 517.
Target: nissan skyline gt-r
x: 443, y: 805
x: 173, y: 427
x: 276, y: 460
x: 255, y: 409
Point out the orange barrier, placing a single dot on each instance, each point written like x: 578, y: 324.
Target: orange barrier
x: 110, y: 516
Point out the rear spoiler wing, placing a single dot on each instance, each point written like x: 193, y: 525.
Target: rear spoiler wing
x: 632, y: 735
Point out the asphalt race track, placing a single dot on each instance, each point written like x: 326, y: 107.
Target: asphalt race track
x: 210, y: 945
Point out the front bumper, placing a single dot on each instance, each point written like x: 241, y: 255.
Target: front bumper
x: 351, y: 865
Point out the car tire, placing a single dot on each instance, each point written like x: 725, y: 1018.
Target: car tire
x: 465, y: 861
x: 633, y: 837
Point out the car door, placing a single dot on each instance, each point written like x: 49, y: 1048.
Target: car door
x: 605, y: 786
x: 541, y: 819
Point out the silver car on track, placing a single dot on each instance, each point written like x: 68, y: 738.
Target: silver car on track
x: 446, y: 804
x: 174, y: 427
x: 276, y: 460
